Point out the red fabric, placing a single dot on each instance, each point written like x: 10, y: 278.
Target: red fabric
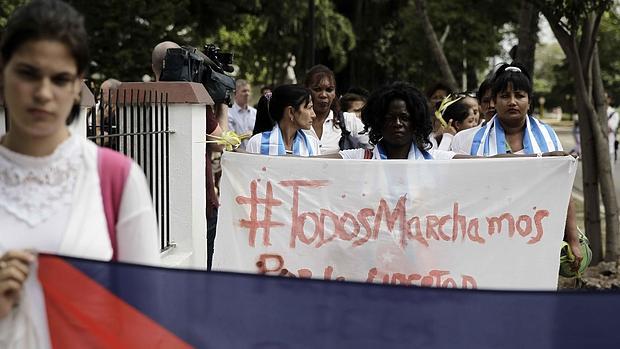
x: 212, y: 202
x: 113, y: 170
x: 83, y: 314
x: 368, y: 154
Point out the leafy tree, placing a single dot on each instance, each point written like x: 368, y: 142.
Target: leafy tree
x: 269, y: 43
x: 122, y: 34
x: 392, y: 44
x: 435, y: 45
x: 552, y: 79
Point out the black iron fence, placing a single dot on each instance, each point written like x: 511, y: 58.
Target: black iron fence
x: 135, y: 123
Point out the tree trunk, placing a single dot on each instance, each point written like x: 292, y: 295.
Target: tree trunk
x: 436, y: 49
x: 601, y: 157
x: 528, y: 35
x: 591, y: 138
x: 592, y: 214
x: 608, y: 190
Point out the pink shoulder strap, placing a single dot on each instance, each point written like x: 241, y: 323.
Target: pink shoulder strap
x: 113, y: 171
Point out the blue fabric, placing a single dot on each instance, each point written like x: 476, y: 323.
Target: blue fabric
x: 226, y: 310
x: 267, y: 142
x: 264, y: 144
x: 475, y: 145
x: 539, y: 138
x: 533, y: 129
x: 500, y: 139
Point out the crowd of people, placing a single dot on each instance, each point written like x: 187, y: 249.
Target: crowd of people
x: 399, y: 122
x: 60, y: 193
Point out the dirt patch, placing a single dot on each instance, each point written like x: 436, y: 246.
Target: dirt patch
x: 604, y: 276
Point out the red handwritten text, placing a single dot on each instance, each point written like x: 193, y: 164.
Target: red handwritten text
x: 273, y: 264
x: 253, y: 224
x: 366, y: 225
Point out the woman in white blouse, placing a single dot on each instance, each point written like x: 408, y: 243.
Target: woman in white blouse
x: 329, y: 122
x: 280, y: 121
x: 50, y: 195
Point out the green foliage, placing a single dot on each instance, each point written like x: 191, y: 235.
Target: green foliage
x: 392, y: 45
x: 609, y: 53
x: 335, y: 32
x: 572, y: 12
x: 547, y: 57
x: 265, y: 44
x: 123, y: 33
x: 6, y: 8
x: 553, y: 79
x: 368, y: 42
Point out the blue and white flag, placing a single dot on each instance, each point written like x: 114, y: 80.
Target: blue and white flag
x: 272, y: 143
x: 537, y: 138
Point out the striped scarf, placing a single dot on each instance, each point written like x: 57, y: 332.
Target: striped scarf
x: 414, y: 153
x: 272, y: 143
x: 537, y: 138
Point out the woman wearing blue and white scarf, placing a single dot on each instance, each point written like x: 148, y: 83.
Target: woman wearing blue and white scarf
x: 513, y: 131
x: 289, y: 112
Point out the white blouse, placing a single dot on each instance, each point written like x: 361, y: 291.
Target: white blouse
x: 53, y: 204
x: 331, y: 135
x: 45, y: 202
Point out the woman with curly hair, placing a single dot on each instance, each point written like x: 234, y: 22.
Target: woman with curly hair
x: 397, y: 120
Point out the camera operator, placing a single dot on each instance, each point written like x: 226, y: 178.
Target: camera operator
x: 217, y: 123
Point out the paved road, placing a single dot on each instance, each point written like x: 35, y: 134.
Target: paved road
x: 568, y: 142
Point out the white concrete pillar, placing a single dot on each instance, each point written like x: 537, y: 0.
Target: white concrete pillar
x: 187, y: 104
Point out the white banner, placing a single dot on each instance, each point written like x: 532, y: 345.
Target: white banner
x: 476, y: 223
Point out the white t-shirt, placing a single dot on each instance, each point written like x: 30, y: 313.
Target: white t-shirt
x: 331, y: 135
x: 461, y: 142
x: 446, y: 141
